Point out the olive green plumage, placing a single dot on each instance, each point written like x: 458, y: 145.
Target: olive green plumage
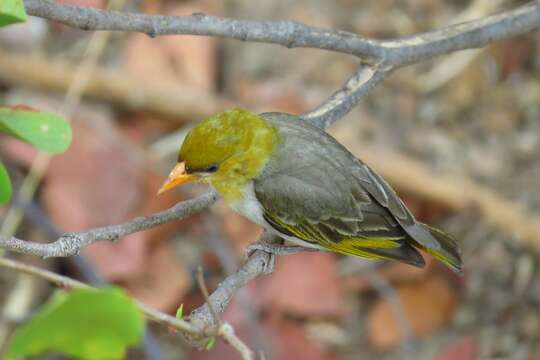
x: 229, y: 148
x: 296, y: 180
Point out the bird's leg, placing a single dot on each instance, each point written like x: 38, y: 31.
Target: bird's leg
x: 276, y: 249
x: 273, y: 246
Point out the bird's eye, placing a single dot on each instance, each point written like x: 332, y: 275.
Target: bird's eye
x: 211, y: 169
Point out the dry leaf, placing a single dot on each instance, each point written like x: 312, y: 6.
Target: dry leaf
x: 18, y: 151
x: 465, y: 348
x: 290, y: 343
x: 124, y: 260
x: 95, y: 182
x: 189, y: 60
x: 270, y: 96
x: 304, y: 284
x: 428, y: 305
x: 280, y: 338
x: 395, y: 272
x: 163, y: 282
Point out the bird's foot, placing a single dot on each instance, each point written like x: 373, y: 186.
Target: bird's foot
x: 269, y: 264
x: 275, y: 249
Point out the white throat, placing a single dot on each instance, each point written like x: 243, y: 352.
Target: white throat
x: 249, y: 206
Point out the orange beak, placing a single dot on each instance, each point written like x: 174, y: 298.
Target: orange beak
x: 177, y: 177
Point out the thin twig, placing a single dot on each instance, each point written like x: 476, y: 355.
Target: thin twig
x: 204, y: 290
x: 68, y: 283
x: 257, y: 264
x: 70, y: 244
x: 226, y: 332
x: 343, y: 100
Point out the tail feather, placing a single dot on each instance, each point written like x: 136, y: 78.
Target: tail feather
x: 449, y: 252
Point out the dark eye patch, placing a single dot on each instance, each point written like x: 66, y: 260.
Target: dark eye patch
x: 211, y: 168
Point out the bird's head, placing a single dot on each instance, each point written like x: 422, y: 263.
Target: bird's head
x: 226, y: 150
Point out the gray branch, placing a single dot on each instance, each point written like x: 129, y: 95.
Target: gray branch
x: 394, y: 53
x: 70, y: 244
x: 287, y: 33
x: 258, y: 263
x: 343, y: 100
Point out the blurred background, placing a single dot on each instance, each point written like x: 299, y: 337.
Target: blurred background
x: 459, y: 138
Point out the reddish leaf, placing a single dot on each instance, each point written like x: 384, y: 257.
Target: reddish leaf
x: 144, y: 128
x: 95, y: 182
x: 20, y: 107
x: 394, y: 272
x: 190, y: 61
x: 271, y: 96
x: 428, y: 305
x: 304, y: 284
x: 464, y: 348
x: 279, y: 338
x: 514, y: 55
x: 18, y: 151
x: 164, y: 281
x: 124, y: 260
x: 290, y: 343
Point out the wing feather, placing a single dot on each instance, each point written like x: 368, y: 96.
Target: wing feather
x: 320, y: 196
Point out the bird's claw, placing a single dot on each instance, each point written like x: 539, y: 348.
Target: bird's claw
x: 269, y: 264
x: 272, y: 250
x: 275, y: 249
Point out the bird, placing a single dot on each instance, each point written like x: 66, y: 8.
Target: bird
x: 298, y: 182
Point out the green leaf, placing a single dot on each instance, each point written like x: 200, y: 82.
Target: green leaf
x: 210, y: 344
x: 85, y: 323
x: 5, y: 185
x: 11, y: 11
x: 180, y: 312
x: 45, y: 131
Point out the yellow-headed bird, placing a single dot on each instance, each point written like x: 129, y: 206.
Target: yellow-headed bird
x: 298, y: 182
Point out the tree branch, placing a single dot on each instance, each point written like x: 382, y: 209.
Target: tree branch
x: 343, y: 100
x: 257, y: 264
x: 287, y: 33
x: 394, y: 53
x: 70, y: 244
